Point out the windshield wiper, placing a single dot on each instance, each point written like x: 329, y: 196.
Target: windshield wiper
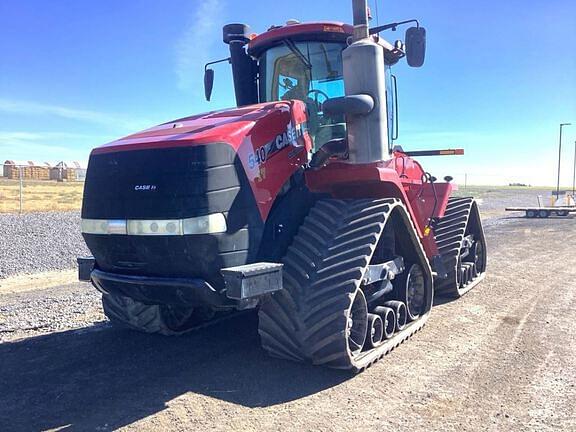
x: 331, y: 72
x: 292, y: 46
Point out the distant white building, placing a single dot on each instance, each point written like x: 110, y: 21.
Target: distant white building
x: 69, y: 171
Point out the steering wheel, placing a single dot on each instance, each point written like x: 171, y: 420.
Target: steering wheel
x: 317, y: 93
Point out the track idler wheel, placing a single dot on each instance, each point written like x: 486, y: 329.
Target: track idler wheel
x: 479, y: 258
x: 388, y: 318
x: 400, y: 311
x: 411, y: 289
x: 375, y: 330
x: 357, y: 323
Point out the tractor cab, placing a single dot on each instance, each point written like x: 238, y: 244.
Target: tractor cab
x: 303, y: 62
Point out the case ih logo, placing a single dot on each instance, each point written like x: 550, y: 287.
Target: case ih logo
x: 145, y: 187
x: 290, y: 136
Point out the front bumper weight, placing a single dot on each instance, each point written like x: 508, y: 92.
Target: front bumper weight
x: 85, y: 267
x: 252, y: 280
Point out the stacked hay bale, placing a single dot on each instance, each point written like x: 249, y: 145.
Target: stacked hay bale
x: 30, y: 170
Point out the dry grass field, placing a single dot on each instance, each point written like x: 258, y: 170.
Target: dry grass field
x: 38, y: 195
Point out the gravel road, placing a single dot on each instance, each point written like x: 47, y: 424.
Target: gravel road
x: 38, y: 242
x: 500, y: 359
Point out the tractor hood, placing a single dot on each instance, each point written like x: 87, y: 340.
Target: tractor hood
x: 199, y: 165
x: 261, y: 123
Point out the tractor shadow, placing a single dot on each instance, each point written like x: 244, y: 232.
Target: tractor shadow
x: 103, y: 378
x: 442, y: 299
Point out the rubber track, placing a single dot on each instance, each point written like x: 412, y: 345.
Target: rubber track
x: 323, y: 268
x: 449, y: 234
x: 128, y: 313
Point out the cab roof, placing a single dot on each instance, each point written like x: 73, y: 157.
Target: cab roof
x: 326, y: 31
x: 322, y: 31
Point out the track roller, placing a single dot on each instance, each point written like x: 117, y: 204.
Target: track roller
x: 469, y: 272
x: 375, y: 330
x: 388, y: 318
x: 400, y: 312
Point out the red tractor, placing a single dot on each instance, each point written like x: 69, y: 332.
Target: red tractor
x: 297, y: 203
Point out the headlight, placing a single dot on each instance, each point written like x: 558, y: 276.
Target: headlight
x: 210, y: 224
x: 103, y: 226
x: 214, y: 223
x: 155, y: 227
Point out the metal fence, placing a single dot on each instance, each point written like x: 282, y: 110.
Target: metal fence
x: 28, y: 186
x: 40, y: 187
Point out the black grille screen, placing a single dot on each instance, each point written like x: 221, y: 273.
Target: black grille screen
x: 163, y: 183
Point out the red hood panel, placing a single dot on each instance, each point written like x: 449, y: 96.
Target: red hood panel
x: 271, y: 142
x: 230, y: 126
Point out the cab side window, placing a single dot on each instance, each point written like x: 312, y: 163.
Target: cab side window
x: 390, y: 106
x: 285, y: 84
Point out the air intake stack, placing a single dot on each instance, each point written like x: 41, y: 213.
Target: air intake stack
x: 244, y: 68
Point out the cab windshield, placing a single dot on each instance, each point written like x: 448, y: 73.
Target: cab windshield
x: 310, y: 72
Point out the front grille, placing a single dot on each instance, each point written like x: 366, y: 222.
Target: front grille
x: 163, y: 183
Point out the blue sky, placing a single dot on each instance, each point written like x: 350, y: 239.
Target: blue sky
x: 498, y: 79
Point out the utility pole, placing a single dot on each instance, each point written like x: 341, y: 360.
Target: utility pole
x: 559, y: 158
x: 574, y: 175
x: 21, y: 187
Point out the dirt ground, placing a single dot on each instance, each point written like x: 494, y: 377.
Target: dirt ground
x: 503, y: 358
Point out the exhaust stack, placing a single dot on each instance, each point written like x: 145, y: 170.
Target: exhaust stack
x: 360, y: 13
x: 363, y: 63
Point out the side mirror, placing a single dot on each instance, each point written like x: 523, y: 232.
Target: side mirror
x: 208, y: 82
x: 415, y: 41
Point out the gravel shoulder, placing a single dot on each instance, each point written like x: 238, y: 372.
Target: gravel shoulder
x: 39, y: 242
x: 500, y: 359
